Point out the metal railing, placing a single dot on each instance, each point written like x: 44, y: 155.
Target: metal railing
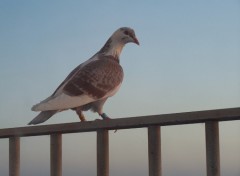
x: 153, y: 123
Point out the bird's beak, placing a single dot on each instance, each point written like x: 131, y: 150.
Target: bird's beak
x: 136, y: 41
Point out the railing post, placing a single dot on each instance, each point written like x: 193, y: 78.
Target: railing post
x: 154, y: 151
x: 102, y: 153
x: 14, y: 156
x: 212, y: 148
x: 56, y: 154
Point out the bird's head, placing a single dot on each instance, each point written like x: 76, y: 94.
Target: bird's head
x: 117, y: 41
x: 125, y: 35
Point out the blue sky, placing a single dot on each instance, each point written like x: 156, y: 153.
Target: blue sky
x: 188, y: 60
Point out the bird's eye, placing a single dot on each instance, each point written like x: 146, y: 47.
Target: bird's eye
x: 126, y: 32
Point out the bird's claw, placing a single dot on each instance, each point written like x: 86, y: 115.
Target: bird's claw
x: 105, y: 116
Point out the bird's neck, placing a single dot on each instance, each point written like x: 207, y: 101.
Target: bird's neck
x: 112, y: 48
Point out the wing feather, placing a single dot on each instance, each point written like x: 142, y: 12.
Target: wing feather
x: 92, y: 81
x: 62, y: 102
x: 96, y: 79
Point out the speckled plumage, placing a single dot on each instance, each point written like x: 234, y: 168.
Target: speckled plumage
x: 96, y: 79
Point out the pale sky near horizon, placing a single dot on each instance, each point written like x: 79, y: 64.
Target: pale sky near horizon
x: 188, y: 60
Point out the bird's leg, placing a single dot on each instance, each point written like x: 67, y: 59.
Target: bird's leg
x: 80, y: 115
x: 104, y: 116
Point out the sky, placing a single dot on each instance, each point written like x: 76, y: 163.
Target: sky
x: 188, y: 60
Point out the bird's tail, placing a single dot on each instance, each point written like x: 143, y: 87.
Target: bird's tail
x: 42, y: 117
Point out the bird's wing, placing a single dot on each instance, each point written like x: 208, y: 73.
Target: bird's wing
x: 97, y: 79
x: 72, y: 74
x: 42, y: 117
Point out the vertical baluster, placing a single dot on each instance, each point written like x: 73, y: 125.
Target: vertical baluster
x: 56, y: 154
x: 212, y: 148
x: 14, y: 156
x: 102, y: 153
x: 154, y: 150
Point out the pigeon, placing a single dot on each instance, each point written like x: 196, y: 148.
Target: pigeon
x: 91, y: 83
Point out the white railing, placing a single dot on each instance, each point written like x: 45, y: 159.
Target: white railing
x: 153, y: 123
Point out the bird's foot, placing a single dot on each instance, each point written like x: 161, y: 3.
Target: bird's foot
x: 80, y: 115
x: 82, y: 118
x: 105, y: 116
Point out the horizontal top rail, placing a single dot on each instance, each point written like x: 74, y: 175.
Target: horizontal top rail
x: 125, y: 123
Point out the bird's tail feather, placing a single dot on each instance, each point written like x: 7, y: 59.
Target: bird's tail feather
x: 42, y: 117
